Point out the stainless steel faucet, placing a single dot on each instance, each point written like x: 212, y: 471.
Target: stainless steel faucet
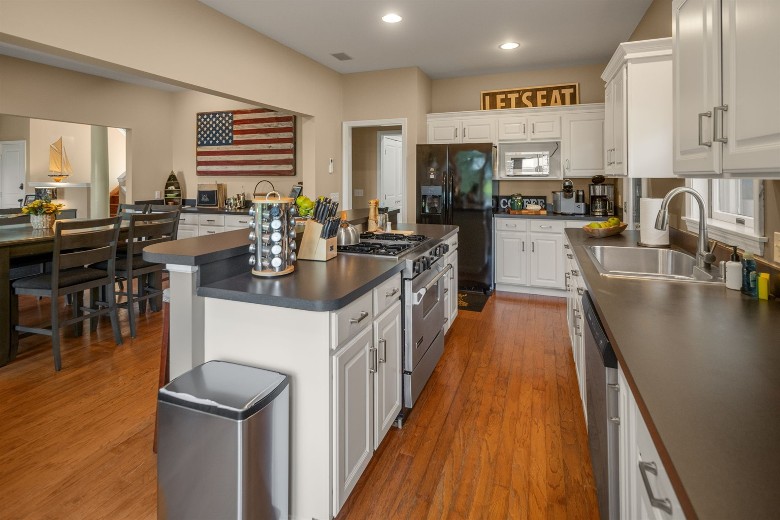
x: 704, y: 257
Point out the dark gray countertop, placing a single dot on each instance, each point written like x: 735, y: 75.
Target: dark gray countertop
x: 554, y: 216
x: 354, y: 216
x: 703, y: 362
x: 315, y: 286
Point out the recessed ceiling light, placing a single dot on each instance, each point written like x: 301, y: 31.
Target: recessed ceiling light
x: 391, y: 18
x: 508, y: 46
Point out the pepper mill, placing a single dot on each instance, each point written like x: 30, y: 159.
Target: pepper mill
x: 373, y: 215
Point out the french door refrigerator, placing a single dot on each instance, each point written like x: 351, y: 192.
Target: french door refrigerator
x: 455, y: 185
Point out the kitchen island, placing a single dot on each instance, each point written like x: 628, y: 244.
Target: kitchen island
x: 319, y: 325
x: 703, y: 364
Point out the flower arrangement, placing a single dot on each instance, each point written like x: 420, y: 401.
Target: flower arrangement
x: 42, y: 206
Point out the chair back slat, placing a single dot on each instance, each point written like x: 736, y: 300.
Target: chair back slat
x: 168, y: 208
x: 149, y: 229
x: 82, y: 242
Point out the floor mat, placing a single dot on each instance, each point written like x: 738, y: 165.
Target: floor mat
x: 471, y: 301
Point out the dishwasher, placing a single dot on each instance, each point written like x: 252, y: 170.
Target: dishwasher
x: 601, y: 383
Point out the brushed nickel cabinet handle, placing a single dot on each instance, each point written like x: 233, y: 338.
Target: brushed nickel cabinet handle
x: 701, y: 130
x: 664, y: 504
x: 372, y: 360
x: 383, y: 355
x: 456, y: 133
x: 363, y: 315
x: 722, y: 109
x: 569, y: 256
x: 580, y: 290
x: 392, y: 293
x: 575, y: 272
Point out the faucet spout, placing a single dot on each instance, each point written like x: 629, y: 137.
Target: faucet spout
x: 704, y: 258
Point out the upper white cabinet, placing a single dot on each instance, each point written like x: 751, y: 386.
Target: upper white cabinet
x: 582, y: 144
x: 539, y: 127
x: 471, y: 130
x: 638, y: 110
x: 725, y: 83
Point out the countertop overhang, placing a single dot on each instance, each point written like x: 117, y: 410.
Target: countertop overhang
x: 703, y: 362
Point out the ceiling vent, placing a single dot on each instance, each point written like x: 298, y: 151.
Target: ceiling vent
x: 342, y: 56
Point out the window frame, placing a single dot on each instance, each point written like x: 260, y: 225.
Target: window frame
x: 747, y: 236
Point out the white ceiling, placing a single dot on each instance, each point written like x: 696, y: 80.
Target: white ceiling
x: 444, y: 38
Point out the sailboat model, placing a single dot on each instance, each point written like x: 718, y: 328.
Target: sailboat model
x: 59, y: 165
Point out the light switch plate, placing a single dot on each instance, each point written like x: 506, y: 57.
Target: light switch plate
x: 777, y: 247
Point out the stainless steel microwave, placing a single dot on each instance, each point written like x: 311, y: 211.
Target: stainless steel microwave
x: 526, y: 163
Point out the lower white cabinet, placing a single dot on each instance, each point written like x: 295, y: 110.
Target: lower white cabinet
x: 200, y: 224
x: 574, y: 290
x: 645, y: 489
x: 451, y: 283
x: 366, y: 386
x: 529, y: 255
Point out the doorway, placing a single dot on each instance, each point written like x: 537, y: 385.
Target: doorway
x: 13, y: 161
x: 363, y: 177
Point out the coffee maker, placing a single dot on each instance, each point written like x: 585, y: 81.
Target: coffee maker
x: 602, y: 199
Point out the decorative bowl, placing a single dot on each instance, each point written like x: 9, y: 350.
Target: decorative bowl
x: 604, y: 232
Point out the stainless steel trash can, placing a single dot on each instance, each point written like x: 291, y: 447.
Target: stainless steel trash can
x: 223, y: 446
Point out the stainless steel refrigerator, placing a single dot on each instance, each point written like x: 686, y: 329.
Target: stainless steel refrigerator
x: 455, y: 185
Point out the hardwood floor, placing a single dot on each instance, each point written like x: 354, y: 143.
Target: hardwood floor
x: 499, y: 430
x: 497, y: 433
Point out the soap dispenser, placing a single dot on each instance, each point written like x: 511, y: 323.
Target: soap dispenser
x: 734, y: 271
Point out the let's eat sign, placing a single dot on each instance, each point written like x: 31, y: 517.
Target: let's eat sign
x: 527, y: 97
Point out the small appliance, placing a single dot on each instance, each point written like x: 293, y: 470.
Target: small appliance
x: 527, y: 164
x: 602, y: 199
x: 569, y: 202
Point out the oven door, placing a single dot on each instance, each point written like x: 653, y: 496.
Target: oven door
x: 424, y: 305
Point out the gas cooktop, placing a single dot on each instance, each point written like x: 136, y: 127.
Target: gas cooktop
x: 383, y: 244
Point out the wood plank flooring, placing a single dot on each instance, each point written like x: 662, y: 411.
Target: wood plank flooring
x: 497, y: 433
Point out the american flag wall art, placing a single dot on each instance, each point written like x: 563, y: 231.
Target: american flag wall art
x: 245, y: 142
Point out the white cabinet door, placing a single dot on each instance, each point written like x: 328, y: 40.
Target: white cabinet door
x: 512, y: 128
x: 696, y: 85
x: 387, y: 379
x: 453, y: 309
x: 544, y: 128
x: 583, y: 144
x: 478, y: 130
x: 619, y: 146
x: 444, y: 131
x: 511, y: 258
x: 751, y: 85
x: 546, y: 260
x: 352, y: 414
x: 627, y: 455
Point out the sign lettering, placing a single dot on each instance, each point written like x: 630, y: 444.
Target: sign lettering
x: 528, y: 97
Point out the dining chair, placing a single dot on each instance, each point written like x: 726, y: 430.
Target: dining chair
x: 167, y: 208
x: 143, y: 229
x: 78, y: 244
x: 130, y: 209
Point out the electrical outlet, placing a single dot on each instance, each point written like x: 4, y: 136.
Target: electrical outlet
x: 334, y: 197
x: 358, y: 192
x: 777, y: 247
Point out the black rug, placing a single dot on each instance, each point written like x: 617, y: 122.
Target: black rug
x: 471, y: 301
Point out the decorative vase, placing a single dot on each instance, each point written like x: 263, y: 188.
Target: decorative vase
x: 44, y: 221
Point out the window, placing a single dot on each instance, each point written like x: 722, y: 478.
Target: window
x: 735, y: 211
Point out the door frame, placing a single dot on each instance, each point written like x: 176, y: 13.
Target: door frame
x: 23, y: 143
x: 379, y: 138
x: 346, y: 140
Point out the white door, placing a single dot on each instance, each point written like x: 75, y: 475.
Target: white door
x: 387, y: 380
x: 696, y: 85
x: 12, y: 171
x: 546, y: 260
x: 511, y: 267
x: 750, y: 51
x: 391, y: 173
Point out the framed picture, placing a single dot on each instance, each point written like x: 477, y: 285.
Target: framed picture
x: 28, y: 199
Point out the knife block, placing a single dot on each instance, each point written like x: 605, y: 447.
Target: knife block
x: 313, y: 246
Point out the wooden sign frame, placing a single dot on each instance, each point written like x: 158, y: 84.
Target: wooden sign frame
x: 530, y: 97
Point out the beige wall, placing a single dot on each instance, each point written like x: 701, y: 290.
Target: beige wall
x: 42, y: 92
x: 459, y: 94
x: 656, y: 23
x: 186, y: 43
x: 390, y: 94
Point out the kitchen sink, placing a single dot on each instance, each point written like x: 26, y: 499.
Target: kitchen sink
x: 649, y: 263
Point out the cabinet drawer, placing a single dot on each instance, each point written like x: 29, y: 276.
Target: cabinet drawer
x: 209, y: 230
x: 511, y: 224
x: 188, y: 219
x: 238, y: 221
x: 211, y: 219
x: 387, y: 294
x: 547, y: 226
x: 352, y: 319
x: 452, y: 242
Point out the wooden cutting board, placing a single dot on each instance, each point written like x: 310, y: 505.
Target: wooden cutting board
x: 401, y: 232
x: 528, y: 212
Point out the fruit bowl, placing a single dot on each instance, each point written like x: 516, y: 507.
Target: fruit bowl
x: 605, y: 232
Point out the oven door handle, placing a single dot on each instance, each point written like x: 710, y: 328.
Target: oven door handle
x: 419, y: 295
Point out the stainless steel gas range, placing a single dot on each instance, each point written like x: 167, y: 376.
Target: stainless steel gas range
x: 423, y: 297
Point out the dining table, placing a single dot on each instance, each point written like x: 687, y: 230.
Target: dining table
x: 22, y: 247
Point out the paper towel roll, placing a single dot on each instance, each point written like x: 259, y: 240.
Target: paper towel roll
x: 648, y: 235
